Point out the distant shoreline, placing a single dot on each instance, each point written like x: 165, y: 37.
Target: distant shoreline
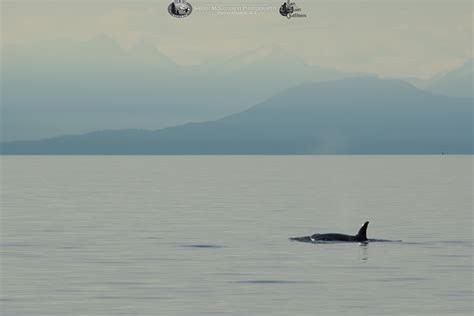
x: 234, y: 155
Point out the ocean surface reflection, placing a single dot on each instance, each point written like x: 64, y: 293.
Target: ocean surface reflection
x: 209, y: 235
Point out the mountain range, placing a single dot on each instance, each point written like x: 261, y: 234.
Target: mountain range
x: 69, y: 87
x: 456, y: 83
x: 360, y: 115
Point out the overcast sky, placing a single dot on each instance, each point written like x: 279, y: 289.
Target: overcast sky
x: 415, y: 38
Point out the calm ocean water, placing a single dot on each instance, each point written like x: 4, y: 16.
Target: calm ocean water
x: 199, y: 235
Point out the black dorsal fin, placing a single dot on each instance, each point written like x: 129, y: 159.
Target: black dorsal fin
x: 363, y: 231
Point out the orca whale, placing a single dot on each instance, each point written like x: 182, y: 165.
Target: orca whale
x: 360, y: 237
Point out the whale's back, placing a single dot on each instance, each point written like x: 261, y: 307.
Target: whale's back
x: 333, y: 237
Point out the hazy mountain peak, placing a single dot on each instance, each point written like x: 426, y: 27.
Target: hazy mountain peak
x: 363, y: 115
x: 455, y: 83
x: 362, y: 90
x: 268, y: 54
